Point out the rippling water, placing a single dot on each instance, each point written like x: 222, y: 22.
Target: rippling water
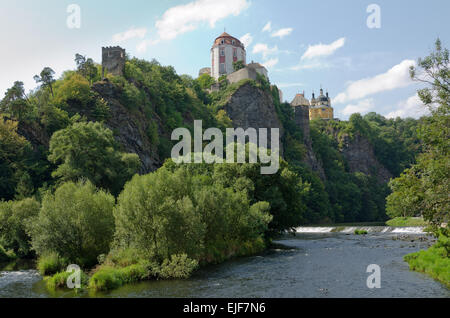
x: 309, y: 265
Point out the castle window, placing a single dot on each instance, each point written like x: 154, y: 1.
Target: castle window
x: 222, y: 52
x: 222, y: 42
x: 222, y: 68
x: 235, y: 52
x: 233, y: 42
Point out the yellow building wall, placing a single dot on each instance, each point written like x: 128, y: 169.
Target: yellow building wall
x: 321, y: 113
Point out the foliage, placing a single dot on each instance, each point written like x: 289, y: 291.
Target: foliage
x: 16, y: 102
x: 435, y: 261
x: 360, y: 232
x: 59, y: 281
x: 5, y: 255
x: 238, y: 65
x: 87, y: 68
x: 51, y: 263
x: 178, y: 267
x: 406, y: 221
x: 14, y: 216
x: 76, y: 222
x: 14, y: 150
x: 424, y: 188
x: 205, y: 81
x: 46, y: 77
x: 89, y: 150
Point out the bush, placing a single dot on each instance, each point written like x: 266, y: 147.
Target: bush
x: 108, y: 277
x: 360, y: 232
x: 51, y: 263
x: 14, y: 216
x: 59, y: 281
x: 76, y: 222
x: 178, y: 267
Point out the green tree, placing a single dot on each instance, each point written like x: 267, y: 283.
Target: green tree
x: 89, y: 150
x: 238, y: 65
x: 46, y: 78
x: 86, y: 67
x: 14, y: 216
x: 15, y: 101
x: 425, y: 187
x: 76, y: 222
x: 205, y: 81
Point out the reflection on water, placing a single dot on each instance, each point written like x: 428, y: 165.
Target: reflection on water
x: 313, y: 265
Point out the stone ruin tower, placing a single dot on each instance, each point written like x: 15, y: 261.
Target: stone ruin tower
x: 301, y: 106
x: 113, y: 60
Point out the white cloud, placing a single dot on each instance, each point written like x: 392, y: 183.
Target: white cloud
x: 188, y: 17
x: 264, y: 49
x: 282, y: 33
x: 271, y: 63
x: 412, y: 107
x: 267, y: 27
x: 397, y: 77
x: 130, y: 34
x: 320, y: 50
x: 246, y: 39
x: 310, y: 65
x: 361, y: 107
x: 142, y: 46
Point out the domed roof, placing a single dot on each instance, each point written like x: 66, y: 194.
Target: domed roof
x: 300, y: 100
x: 227, y: 39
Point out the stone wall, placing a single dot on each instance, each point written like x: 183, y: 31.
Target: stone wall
x: 244, y: 73
x: 113, y: 60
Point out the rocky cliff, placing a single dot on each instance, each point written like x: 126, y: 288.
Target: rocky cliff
x: 360, y: 155
x: 252, y: 107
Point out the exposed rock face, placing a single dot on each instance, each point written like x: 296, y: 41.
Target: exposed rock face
x: 360, y: 156
x: 130, y: 128
x: 251, y: 107
x: 301, y: 117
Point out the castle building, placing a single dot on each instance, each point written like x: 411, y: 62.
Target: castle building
x: 113, y: 60
x: 318, y: 108
x: 225, y: 51
x: 321, y: 107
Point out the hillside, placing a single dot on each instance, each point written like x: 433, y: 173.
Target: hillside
x: 346, y: 173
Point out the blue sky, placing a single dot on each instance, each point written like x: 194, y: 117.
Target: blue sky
x: 306, y: 44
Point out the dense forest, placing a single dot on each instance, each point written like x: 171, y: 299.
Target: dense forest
x: 71, y: 193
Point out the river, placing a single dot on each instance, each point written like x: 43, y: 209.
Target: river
x: 315, y: 263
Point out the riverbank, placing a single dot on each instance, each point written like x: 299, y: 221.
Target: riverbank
x: 321, y: 265
x: 434, y: 261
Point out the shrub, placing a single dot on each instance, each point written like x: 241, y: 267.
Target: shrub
x: 108, y: 277
x: 360, y: 232
x: 76, y: 222
x: 59, y: 280
x: 14, y: 216
x: 155, y: 215
x: 51, y: 263
x: 178, y: 267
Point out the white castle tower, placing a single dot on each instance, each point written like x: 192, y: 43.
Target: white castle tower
x: 225, y: 51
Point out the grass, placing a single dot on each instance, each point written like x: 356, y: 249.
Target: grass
x: 435, y: 262
x: 406, y: 221
x: 360, y: 232
x: 59, y: 281
x: 108, y: 277
x: 51, y: 264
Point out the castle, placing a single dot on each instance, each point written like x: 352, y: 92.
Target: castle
x: 113, y: 60
x: 225, y: 51
x: 317, y: 108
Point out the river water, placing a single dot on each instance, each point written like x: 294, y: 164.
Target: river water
x: 311, y: 264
